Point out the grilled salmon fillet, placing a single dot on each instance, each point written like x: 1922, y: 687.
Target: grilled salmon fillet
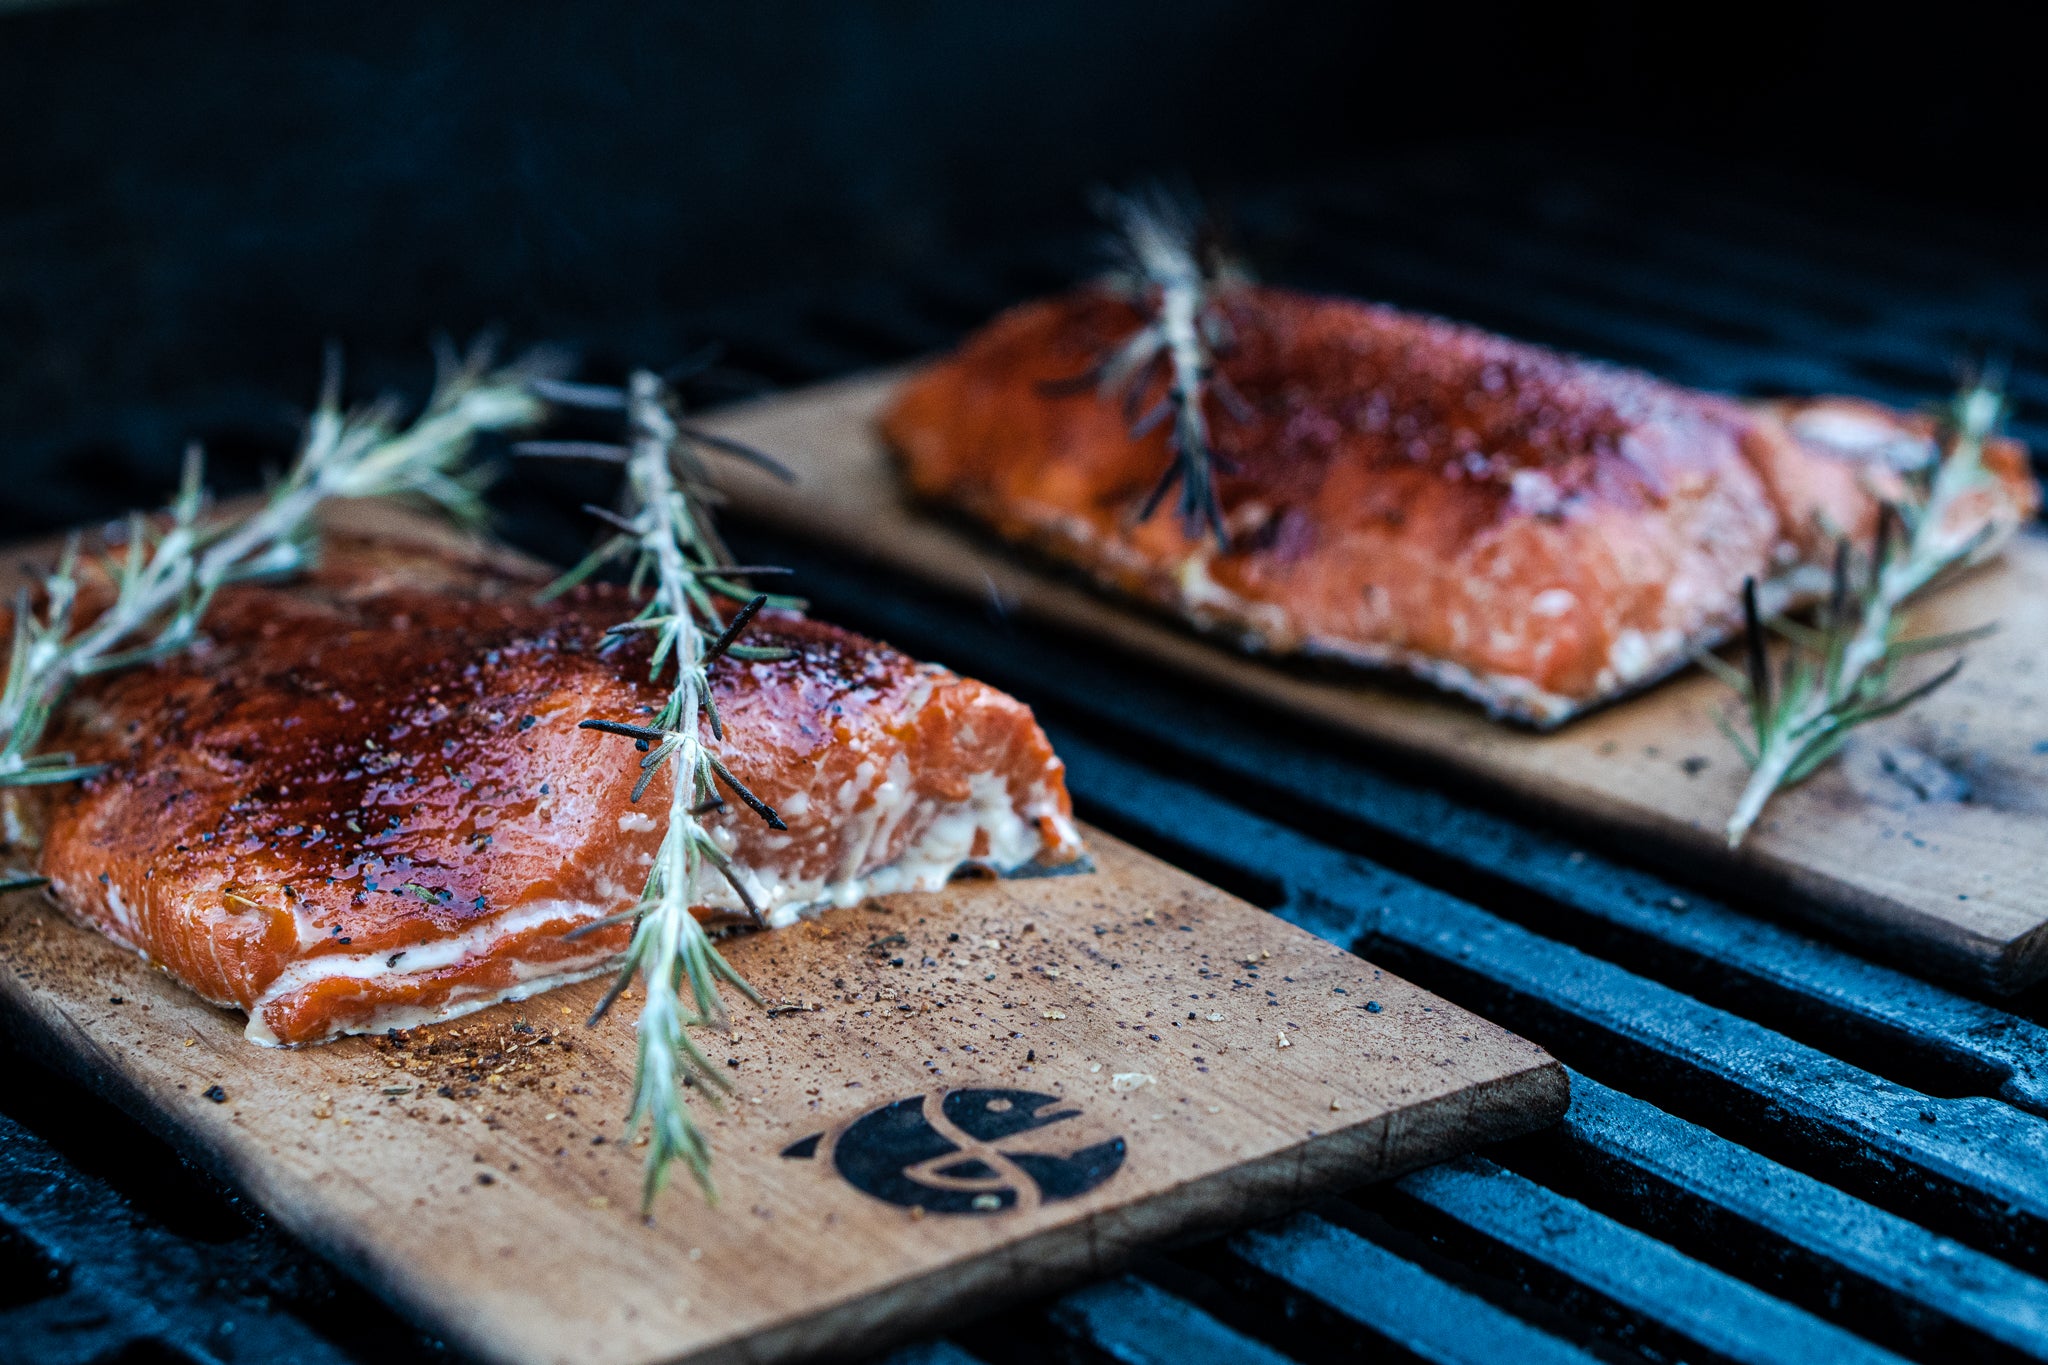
x: 1532, y: 530
x: 364, y: 801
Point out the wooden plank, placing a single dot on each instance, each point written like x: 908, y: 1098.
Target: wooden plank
x: 473, y: 1177
x: 1126, y: 1022
x: 1926, y: 839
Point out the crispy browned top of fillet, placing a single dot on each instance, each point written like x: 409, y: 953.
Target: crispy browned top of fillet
x: 1400, y: 481
x: 1440, y: 416
x: 1400, y: 489
x: 386, y: 753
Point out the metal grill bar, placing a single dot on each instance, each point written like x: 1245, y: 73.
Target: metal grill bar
x: 1558, y: 1239
x: 1804, y: 1238
x: 1394, y: 1299
x: 1136, y: 1321
x: 139, y: 1282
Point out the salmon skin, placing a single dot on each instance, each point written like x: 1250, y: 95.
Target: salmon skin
x: 364, y: 802
x: 1537, y: 532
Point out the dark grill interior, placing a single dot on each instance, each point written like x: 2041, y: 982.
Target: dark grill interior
x: 1780, y: 1147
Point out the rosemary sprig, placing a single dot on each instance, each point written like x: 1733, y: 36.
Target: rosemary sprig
x: 1164, y: 269
x: 665, y: 534
x: 1839, y: 675
x: 167, y: 574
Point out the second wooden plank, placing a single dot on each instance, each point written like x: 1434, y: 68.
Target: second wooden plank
x: 1926, y: 839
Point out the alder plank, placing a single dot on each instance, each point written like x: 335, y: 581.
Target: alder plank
x: 474, y: 1177
x: 472, y: 1172
x: 1927, y: 840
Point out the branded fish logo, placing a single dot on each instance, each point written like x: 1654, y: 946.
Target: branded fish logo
x: 964, y: 1151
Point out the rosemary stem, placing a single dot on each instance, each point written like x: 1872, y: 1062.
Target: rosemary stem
x: 666, y: 536
x: 1772, y: 768
x: 164, y: 584
x: 1846, y: 687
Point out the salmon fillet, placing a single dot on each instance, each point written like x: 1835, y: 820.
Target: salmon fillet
x: 1537, y: 532
x: 364, y: 801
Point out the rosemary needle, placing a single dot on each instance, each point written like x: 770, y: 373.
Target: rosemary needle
x: 1839, y: 676
x: 665, y: 535
x: 165, y: 576
x: 1163, y: 270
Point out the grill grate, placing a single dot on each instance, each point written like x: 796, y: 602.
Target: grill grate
x: 1779, y: 1147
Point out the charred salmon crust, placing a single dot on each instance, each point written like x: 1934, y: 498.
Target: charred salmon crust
x: 365, y: 803
x: 1535, y: 531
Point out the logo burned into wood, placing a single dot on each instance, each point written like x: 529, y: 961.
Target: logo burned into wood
x: 964, y: 1151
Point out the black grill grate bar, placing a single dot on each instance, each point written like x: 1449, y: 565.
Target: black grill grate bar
x: 1782, y: 1229
x: 1309, y: 1262
x: 1129, y: 1318
x: 1619, y: 277
x: 1853, y: 241
x: 1539, y: 1236
x: 118, y: 1281
x: 1632, y: 335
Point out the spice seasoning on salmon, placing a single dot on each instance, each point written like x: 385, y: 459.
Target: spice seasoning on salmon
x: 363, y: 801
x: 1537, y: 532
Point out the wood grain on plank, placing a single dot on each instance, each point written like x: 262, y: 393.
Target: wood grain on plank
x: 472, y: 1172
x: 1926, y: 838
